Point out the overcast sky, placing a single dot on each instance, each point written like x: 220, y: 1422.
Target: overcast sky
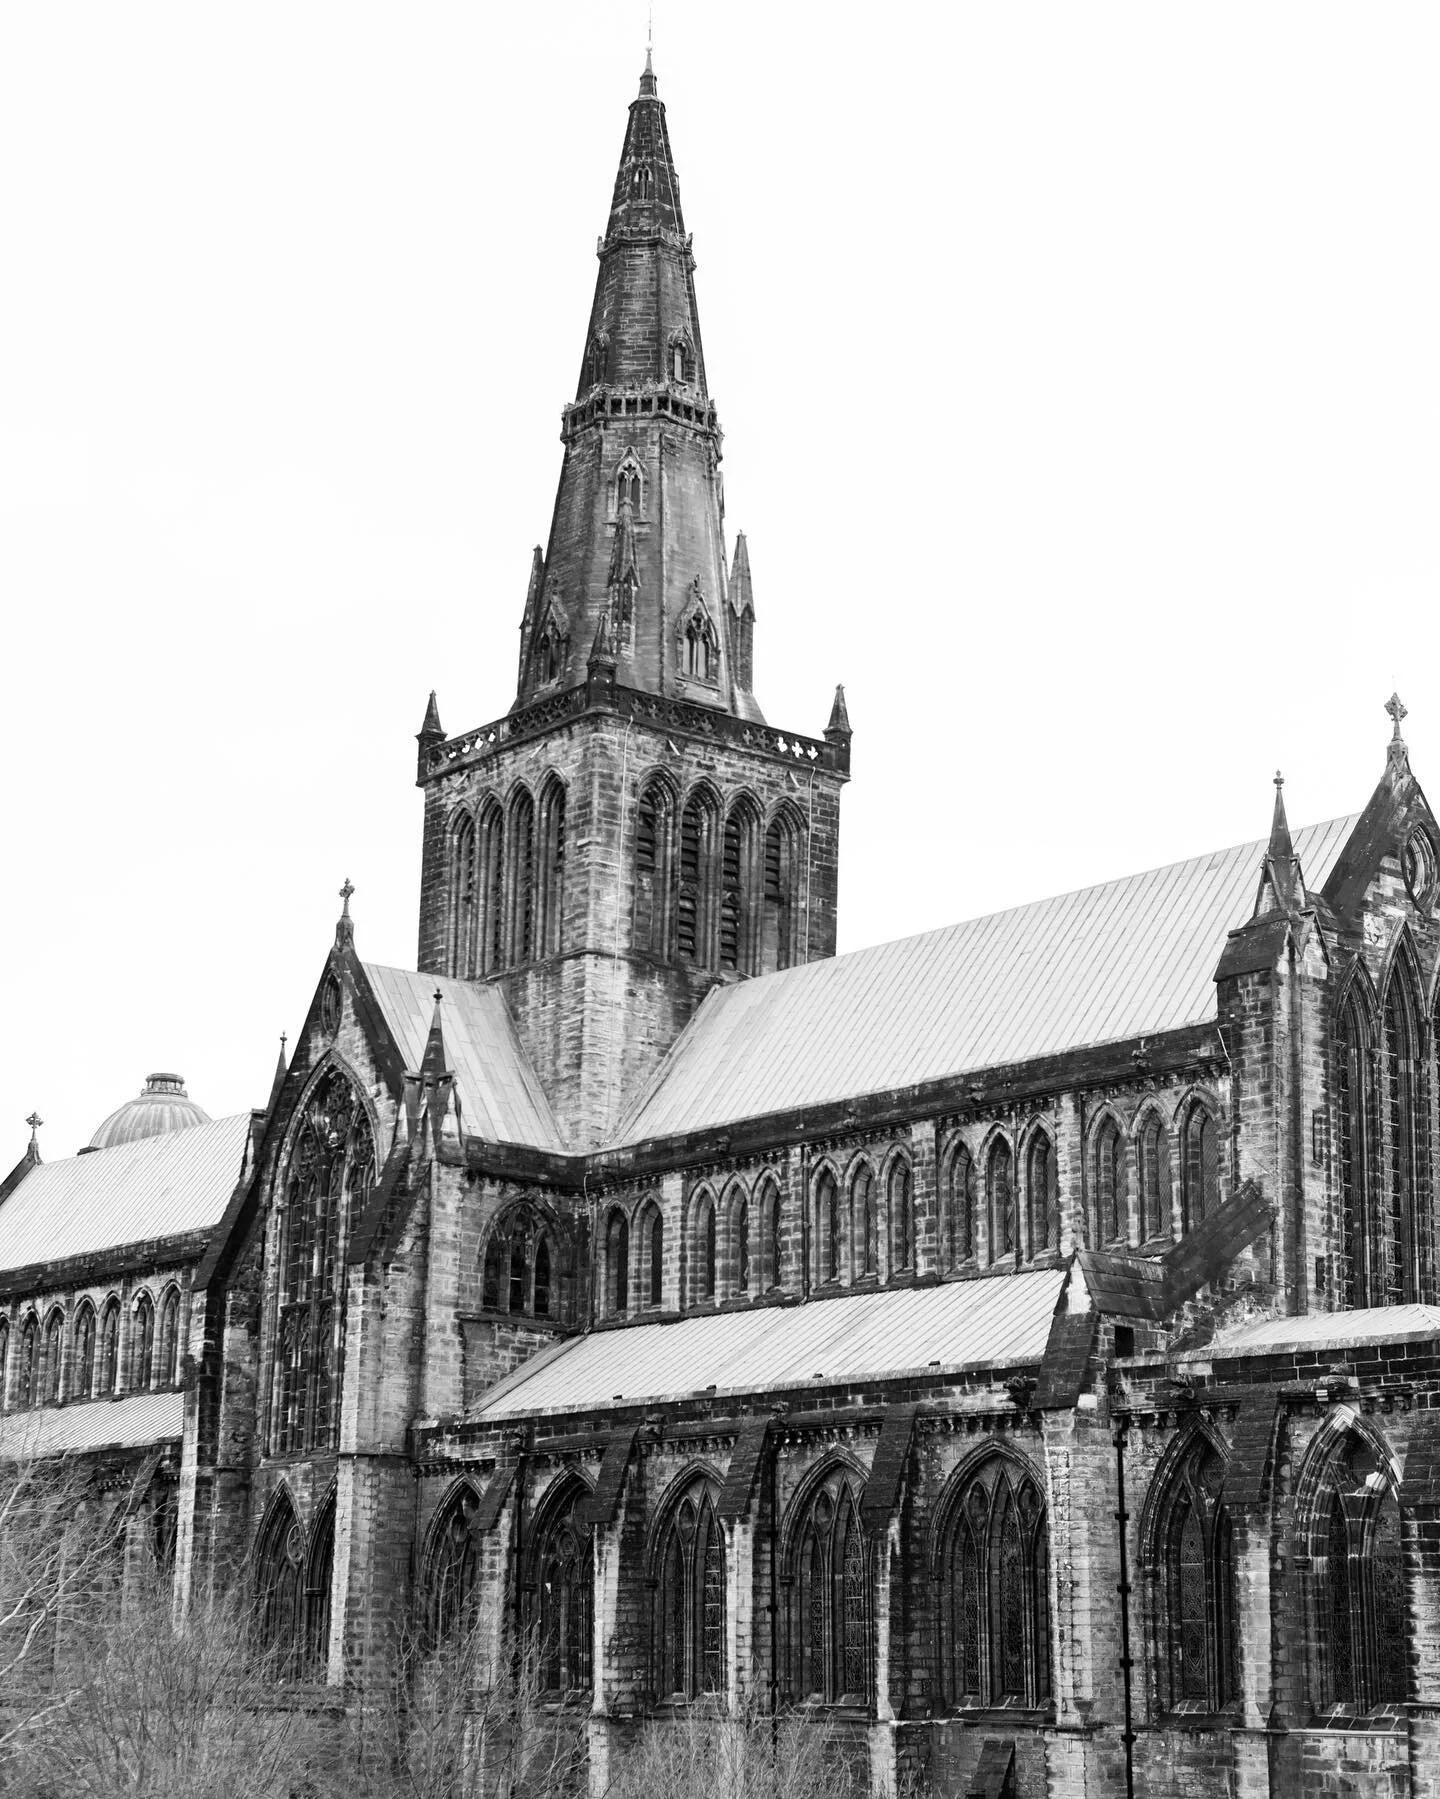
x: 1080, y: 374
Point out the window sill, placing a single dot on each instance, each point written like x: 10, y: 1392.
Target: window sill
x: 1379, y: 1720
x: 1001, y: 1715
x: 1177, y: 1718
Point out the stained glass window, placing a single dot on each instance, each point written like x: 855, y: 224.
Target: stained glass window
x: 292, y: 1592
x: 453, y: 1564
x: 690, y: 1599
x: 1195, y: 1635
x: 563, y: 1598
x: 994, y: 1627
x: 830, y: 1602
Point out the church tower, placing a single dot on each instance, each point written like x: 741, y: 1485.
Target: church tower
x: 631, y: 832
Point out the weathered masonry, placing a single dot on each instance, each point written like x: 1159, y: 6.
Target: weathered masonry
x: 1020, y: 1342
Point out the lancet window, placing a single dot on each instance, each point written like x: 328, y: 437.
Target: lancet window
x: 142, y: 1343
x: 1042, y: 1190
x: 109, y: 1346
x: 54, y: 1353
x: 737, y: 886
x: 550, y: 932
x: 653, y: 823
x: 490, y: 878
x: 627, y: 486
x: 780, y: 948
x: 617, y: 1264
x: 1357, y: 1581
x: 828, y: 1236
x: 864, y: 1212
x: 462, y: 898
x: 1152, y: 1168
x: 167, y: 1362
x: 522, y: 876
x: 1407, y: 1174
x: 994, y: 1580
x: 520, y: 1270
x: 652, y: 1249
x: 453, y: 1565
x: 693, y: 909
x: 699, y: 646
x: 704, y: 1287
x: 1110, y: 1185
x: 829, y: 1610
x: 292, y: 1591
x: 1000, y: 1192
x: 561, y: 1598
x: 82, y: 1377
x: 689, y: 1632
x: 1193, y: 1585
x: 1355, y: 1093
x: 958, y: 1224
x: 768, y: 1236
x: 4, y: 1362
x: 1201, y: 1170
x: 900, y: 1193
x: 330, y: 1174
x: 28, y: 1389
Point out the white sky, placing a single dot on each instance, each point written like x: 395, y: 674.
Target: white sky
x: 1080, y: 380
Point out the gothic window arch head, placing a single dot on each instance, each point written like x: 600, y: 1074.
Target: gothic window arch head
x: 617, y: 1264
x: 900, y: 1198
x: 1357, y: 1593
x: 688, y: 1569
x: 1200, y: 1170
x: 994, y: 1574
x: 1152, y: 1171
x: 109, y: 1346
x: 828, y: 1234
x: 329, y: 1173
x: 54, y: 1353
x: 1000, y: 1200
x: 1042, y: 1193
x: 1110, y: 1184
x: 704, y: 1249
x: 560, y: 1593
x: 292, y: 1591
x: 1357, y: 1138
x: 452, y: 1566
x: 1192, y: 1576
x: 829, y: 1593
x: 27, y: 1390
x: 864, y: 1223
x: 958, y: 1234
x: 142, y: 1343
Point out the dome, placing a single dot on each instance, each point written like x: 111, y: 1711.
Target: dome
x: 163, y: 1105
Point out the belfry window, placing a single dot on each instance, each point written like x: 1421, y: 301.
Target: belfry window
x: 462, y: 898
x: 627, y: 487
x: 779, y: 948
x: 830, y: 1597
x: 995, y: 1585
x: 491, y: 870
x: 518, y: 1269
x: 1194, y: 1585
x: 690, y: 1599
x: 653, y: 823
x: 331, y: 1173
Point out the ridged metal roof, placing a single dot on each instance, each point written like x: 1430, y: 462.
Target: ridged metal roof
x: 1129, y: 958
x: 163, y: 1105
x: 1325, y: 1330
x: 500, y: 1098
x: 999, y: 1321
x: 155, y: 1187
x: 138, y: 1418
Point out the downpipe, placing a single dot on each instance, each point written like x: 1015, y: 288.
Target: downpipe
x: 1122, y: 1519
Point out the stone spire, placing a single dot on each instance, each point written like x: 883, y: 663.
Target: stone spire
x: 638, y: 527
x: 838, y: 730
x: 1282, y: 885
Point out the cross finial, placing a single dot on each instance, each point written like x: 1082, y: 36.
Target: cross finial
x: 345, y: 893
x: 34, y: 1121
x: 1279, y: 778
x: 437, y: 996
x: 1397, y: 711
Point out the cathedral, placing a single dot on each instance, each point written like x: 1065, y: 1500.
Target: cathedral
x: 1014, y: 1343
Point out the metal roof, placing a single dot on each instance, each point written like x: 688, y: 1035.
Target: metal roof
x: 1129, y: 958
x: 154, y: 1187
x: 500, y: 1098
x: 998, y: 1321
x: 1318, y: 1331
x: 127, y: 1423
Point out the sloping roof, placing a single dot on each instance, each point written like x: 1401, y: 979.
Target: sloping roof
x: 1130, y: 958
x: 155, y: 1187
x: 126, y: 1423
x: 1321, y: 1331
x: 500, y: 1098
x: 998, y: 1322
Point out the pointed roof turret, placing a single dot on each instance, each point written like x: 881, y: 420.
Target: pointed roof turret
x: 1282, y: 885
x: 434, y: 1063
x: 279, y: 1080
x: 838, y: 730
x: 427, y: 737
x: 742, y: 595
x: 432, y: 726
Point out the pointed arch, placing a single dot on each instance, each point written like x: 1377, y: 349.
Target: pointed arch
x: 617, y: 1264
x: 958, y: 1234
x: 1199, y: 1162
x: 655, y: 829
x: 864, y: 1210
x: 279, y: 1588
x: 550, y: 869
x: 695, y: 886
x: 464, y: 909
x: 1152, y: 1173
x: 687, y: 1572
x: 1000, y: 1207
x: 1042, y: 1193
x: 652, y: 1254
x: 142, y: 1342
x: 54, y: 1354
x: 739, y: 882
x: 167, y: 1350
x: 1187, y: 1552
x: 780, y: 910
x: 629, y: 486
x: 768, y: 1247
x: 520, y: 880
x: 900, y: 1212
x: 490, y: 885
x: 452, y: 1563
x: 992, y: 1559
x: 1405, y: 1098
x: 109, y: 1346
x: 739, y: 1267
x: 827, y: 1576
x: 523, y: 1263
x: 704, y: 1248
x: 1109, y: 1181
x: 560, y: 1589
x: 827, y: 1229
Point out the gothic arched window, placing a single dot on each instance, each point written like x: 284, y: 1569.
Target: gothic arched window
x: 1042, y: 1191
x: 617, y: 1264
x: 865, y: 1223
x: 693, y: 909
x: 779, y: 945
x: 700, y: 646
x: 540, y: 1282
x: 453, y: 1566
x: 830, y: 1597
x: 329, y: 1177
x: 690, y: 1598
x: 737, y: 886
x: 4, y: 1362
x: 1111, y: 1185
x: 1355, y: 1096
x: 550, y: 935
x: 627, y: 486
x: 167, y: 1364
x: 677, y: 362
x: 109, y: 1346
x: 54, y: 1353
x: 652, y: 1250
x: 462, y: 898
x: 827, y: 1232
x: 1201, y: 1169
x: 1407, y: 1174
x: 900, y: 1193
x: 27, y: 1391
x: 653, y: 822
x: 1152, y: 1159
x: 737, y: 1260
x: 767, y: 1240
x: 142, y: 1343
x: 703, y: 1247
x: 292, y: 1592
x: 958, y: 1233
x: 519, y: 1270
x: 490, y: 869
x: 522, y: 876
x: 994, y: 1582
x: 561, y: 1600
x: 1000, y: 1192
x: 1358, y: 1583
x: 1194, y: 1587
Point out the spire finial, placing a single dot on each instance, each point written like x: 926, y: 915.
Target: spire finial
x: 345, y: 925
x: 1397, y: 711
x: 1397, y: 755
x: 34, y: 1121
x: 345, y: 892
x: 1279, y: 778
